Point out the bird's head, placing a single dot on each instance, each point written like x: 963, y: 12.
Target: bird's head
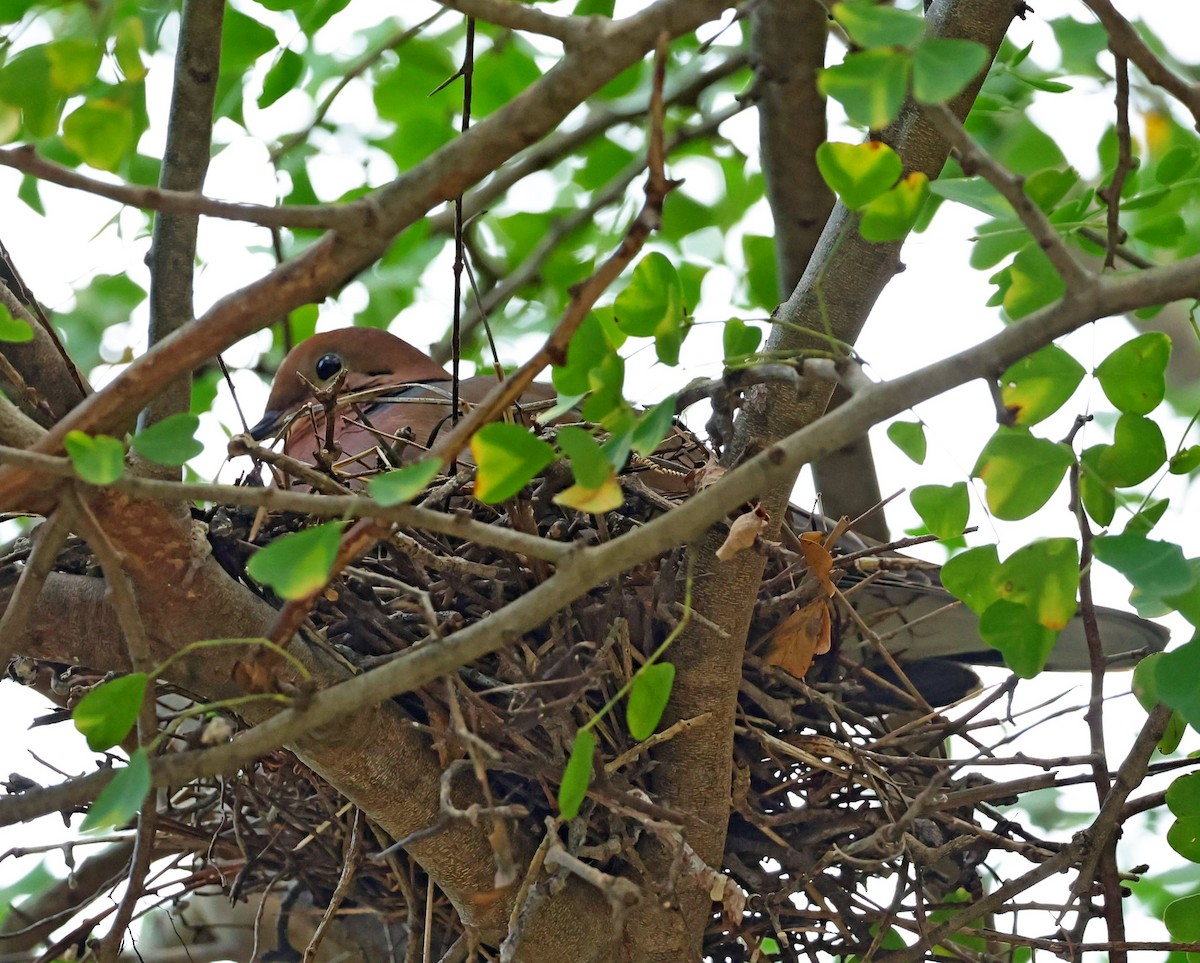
x: 369, y: 357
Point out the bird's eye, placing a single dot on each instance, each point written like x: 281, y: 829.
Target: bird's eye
x: 328, y: 365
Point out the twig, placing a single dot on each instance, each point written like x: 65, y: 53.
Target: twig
x: 1124, y: 41
x: 584, y: 295
x: 353, y: 848
x: 322, y: 506
x: 1111, y: 195
x: 47, y: 540
x: 321, y: 216
x: 974, y: 158
x: 352, y: 72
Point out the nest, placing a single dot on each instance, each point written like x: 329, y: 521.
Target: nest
x: 836, y: 781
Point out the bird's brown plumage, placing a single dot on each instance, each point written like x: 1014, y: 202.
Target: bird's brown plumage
x: 392, y: 395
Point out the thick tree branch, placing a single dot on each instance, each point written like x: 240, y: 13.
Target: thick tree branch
x: 516, y: 16
x: 184, y: 165
x: 42, y: 384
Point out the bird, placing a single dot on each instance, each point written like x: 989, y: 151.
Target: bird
x: 390, y: 395
x: 390, y: 392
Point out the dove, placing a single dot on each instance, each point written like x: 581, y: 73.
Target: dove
x: 392, y: 395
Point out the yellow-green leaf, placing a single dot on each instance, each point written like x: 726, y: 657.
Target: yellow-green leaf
x: 298, y: 564
x: 507, y: 458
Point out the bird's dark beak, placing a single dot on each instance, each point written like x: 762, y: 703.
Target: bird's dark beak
x: 270, y: 422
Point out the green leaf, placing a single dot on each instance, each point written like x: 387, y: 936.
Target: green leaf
x: 1043, y: 576
x: 975, y: 193
x: 909, y: 437
x: 107, y: 713
x: 652, y: 427
x: 1176, y: 164
x: 942, y: 68
x: 101, y: 132
x: 595, y: 340
x: 1156, y: 567
x: 1185, y: 461
x: 588, y: 463
x: 974, y: 577
x: 98, y: 460
x: 648, y: 698
x: 943, y: 508
x: 1175, y: 678
x: 1183, y: 795
x: 1182, y: 919
x: 1145, y: 690
x: 298, y: 564
x: 1020, y: 472
x: 122, y: 798
x: 740, y: 340
x: 653, y: 297
x: 127, y: 48
x: 25, y: 83
x: 1133, y: 377
x: 73, y: 64
x: 762, y: 273
x: 14, y: 330
x: 403, y: 484
x: 1034, y: 283
x: 1146, y: 518
x: 872, y: 25
x: 1015, y: 632
x: 1038, y: 385
x: 281, y: 78
x: 1046, y: 188
x: 892, y: 215
x: 507, y: 457
x: 37, y: 880
x: 1137, y: 452
x: 171, y: 441
x: 1098, y: 495
x: 869, y: 85
x: 578, y: 774
x: 859, y: 173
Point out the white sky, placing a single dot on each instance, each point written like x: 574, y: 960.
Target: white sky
x: 76, y: 241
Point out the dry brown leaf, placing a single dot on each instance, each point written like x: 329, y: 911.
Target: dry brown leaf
x: 818, y: 559
x: 803, y: 634
x: 707, y: 474
x: 743, y: 533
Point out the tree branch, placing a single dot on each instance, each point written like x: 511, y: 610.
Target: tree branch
x: 182, y: 202
x: 185, y: 162
x: 1125, y: 42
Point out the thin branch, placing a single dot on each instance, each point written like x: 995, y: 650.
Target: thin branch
x: 331, y: 217
x: 1125, y: 42
x: 974, y: 159
x: 563, y: 143
x: 584, y: 295
x: 305, y: 503
x: 1111, y: 195
x: 47, y: 540
x: 352, y: 72
x: 527, y: 271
